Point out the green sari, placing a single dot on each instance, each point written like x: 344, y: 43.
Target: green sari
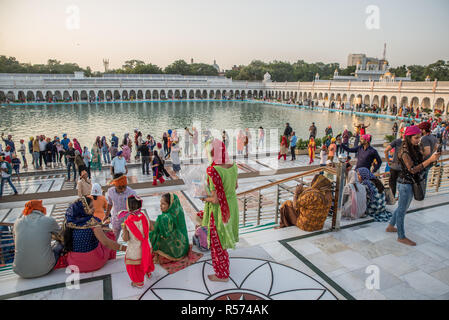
x: 229, y: 232
x: 169, y: 237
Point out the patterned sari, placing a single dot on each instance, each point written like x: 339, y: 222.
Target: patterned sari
x: 88, y: 254
x: 222, y: 219
x: 169, y: 238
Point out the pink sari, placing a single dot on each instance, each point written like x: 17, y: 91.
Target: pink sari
x: 89, y: 261
x: 126, y: 153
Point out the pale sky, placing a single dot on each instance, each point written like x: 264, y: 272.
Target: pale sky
x: 230, y: 31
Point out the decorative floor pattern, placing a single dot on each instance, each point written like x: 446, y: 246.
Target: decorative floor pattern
x: 251, y: 279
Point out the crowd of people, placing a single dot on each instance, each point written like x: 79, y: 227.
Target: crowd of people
x: 94, y: 223
x: 96, y: 220
x: 409, y: 159
x: 47, y: 153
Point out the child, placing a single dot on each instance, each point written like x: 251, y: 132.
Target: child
x: 175, y: 158
x: 138, y: 258
x: 156, y: 165
x: 16, y: 165
x: 323, y: 156
x: 113, y: 150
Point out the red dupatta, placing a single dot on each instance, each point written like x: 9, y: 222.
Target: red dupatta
x: 147, y: 260
x: 219, y: 188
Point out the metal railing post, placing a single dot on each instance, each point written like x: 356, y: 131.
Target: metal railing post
x: 259, y: 205
x: 440, y: 173
x: 276, y: 215
x: 340, y: 183
x: 244, y: 211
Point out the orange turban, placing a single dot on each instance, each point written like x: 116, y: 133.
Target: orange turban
x: 120, y: 182
x: 32, y: 205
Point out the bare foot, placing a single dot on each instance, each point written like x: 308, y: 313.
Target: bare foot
x: 390, y: 228
x: 407, y: 242
x: 135, y: 285
x: 213, y: 277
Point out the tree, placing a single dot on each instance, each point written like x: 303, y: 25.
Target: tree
x: 202, y: 69
x: 131, y: 64
x: 178, y: 67
x: 147, y: 69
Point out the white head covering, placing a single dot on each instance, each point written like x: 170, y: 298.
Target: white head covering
x: 96, y: 190
x: 352, y: 177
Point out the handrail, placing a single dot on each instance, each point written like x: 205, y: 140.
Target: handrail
x: 302, y: 174
x: 439, y: 161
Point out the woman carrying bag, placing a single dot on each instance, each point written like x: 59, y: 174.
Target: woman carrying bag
x: 409, y: 181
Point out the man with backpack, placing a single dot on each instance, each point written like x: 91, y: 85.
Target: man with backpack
x: 6, y: 171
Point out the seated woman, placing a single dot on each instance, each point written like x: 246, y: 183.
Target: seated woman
x: 168, y: 236
x: 354, y: 198
x: 87, y: 243
x: 375, y: 195
x: 310, y: 206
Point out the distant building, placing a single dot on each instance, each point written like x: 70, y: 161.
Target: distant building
x: 370, y: 69
x: 354, y: 58
x: 215, y: 65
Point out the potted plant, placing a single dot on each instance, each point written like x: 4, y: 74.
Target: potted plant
x: 301, y: 147
x: 388, y: 139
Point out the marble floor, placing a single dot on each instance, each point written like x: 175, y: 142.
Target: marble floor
x: 282, y: 264
x: 360, y: 261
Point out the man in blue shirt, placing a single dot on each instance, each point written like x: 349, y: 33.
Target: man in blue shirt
x: 365, y: 154
x: 114, y: 139
x: 293, y: 140
x: 65, y: 144
x: 118, y: 165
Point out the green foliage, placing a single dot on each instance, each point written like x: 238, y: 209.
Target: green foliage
x: 302, y: 144
x: 281, y: 71
x: 438, y: 70
x: 389, y: 138
x: 11, y: 65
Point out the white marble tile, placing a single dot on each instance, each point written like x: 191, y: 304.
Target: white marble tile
x: 285, y: 279
x: 259, y: 280
x: 329, y: 245
x: 240, y: 268
x: 426, y: 284
x: 403, y: 291
x: 350, y: 282
x: 422, y: 261
x: 392, y: 246
x: 386, y: 279
x: 393, y: 264
x: 435, y: 251
x: 277, y: 251
x: 324, y: 262
x: 337, y: 272
x: 442, y: 275
x: 297, y: 264
x: 351, y: 259
x: 121, y: 284
x: 13, y: 215
x: 304, y: 247
x: 367, y: 294
x: 372, y: 234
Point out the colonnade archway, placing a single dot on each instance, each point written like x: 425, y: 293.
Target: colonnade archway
x: 386, y: 102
